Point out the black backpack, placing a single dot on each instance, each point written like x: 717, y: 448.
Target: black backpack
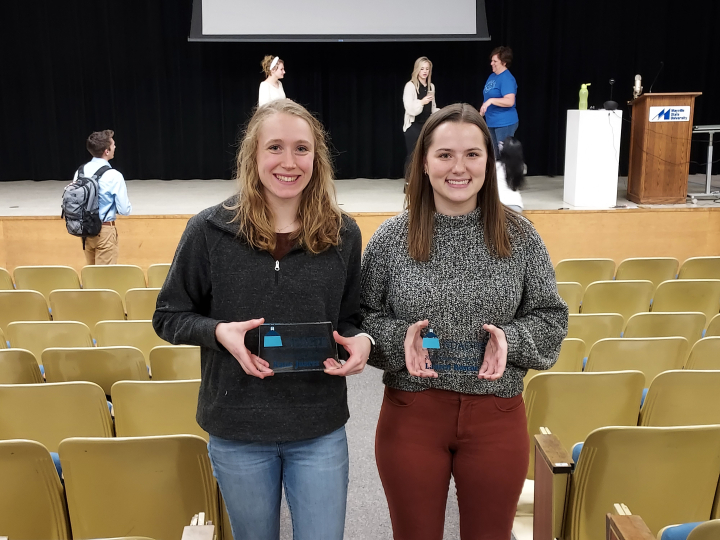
x: 81, y: 204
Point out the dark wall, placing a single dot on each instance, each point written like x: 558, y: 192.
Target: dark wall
x: 69, y: 68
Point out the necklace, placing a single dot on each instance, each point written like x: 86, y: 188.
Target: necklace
x: 283, y: 229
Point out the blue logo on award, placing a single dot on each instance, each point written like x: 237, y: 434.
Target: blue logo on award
x: 431, y: 341
x: 272, y: 338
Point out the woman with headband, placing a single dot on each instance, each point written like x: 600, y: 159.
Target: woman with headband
x: 271, y: 88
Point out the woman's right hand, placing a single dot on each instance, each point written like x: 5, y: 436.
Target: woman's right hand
x: 426, y: 100
x: 416, y: 357
x: 232, y: 337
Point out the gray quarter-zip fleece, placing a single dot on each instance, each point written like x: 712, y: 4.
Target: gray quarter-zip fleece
x: 217, y: 277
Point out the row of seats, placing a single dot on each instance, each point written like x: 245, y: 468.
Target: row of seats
x: 640, y: 296
x: 654, y: 269
x: 85, y: 305
x: 118, y: 277
x: 145, y: 474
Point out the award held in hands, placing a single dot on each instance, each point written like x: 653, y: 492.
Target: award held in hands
x: 294, y: 347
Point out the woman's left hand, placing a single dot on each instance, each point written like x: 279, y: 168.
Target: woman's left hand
x: 495, y: 358
x: 359, y: 349
x: 484, y: 107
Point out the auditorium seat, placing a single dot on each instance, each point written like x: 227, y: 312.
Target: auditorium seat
x: 103, y: 366
x: 624, y: 297
x: 572, y: 405
x: 45, y: 279
x: 689, y: 295
x: 655, y: 324
x: 151, y: 486
x: 140, y: 303
x: 22, y: 306
x: 570, y: 359
x: 713, y: 327
x: 38, y: 336
x: 3, y: 341
x: 175, y: 362
x: 139, y: 334
x: 86, y: 305
x: 665, y: 474
x: 705, y: 354
x: 32, y: 501
x: 682, y: 398
x: 655, y: 269
x: 6, y: 282
x: 156, y: 274
x: 156, y: 408
x: 704, y: 530
x: 571, y: 293
x: 117, y: 277
x: 700, y: 268
x: 50, y: 412
x: 652, y: 356
x: 585, y: 271
x: 18, y: 366
x: 593, y: 327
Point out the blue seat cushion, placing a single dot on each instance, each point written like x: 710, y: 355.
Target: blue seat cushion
x: 58, y: 467
x: 577, y: 447
x: 679, y: 532
x: 643, y: 396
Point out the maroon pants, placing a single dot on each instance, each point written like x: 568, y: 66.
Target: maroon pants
x: 424, y: 437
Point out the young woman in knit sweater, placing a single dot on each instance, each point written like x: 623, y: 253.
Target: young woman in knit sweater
x: 460, y: 296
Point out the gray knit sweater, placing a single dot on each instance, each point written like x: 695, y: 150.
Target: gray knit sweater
x: 460, y: 288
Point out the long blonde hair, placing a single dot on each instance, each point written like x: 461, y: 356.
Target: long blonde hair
x: 319, y: 214
x: 416, y: 71
x: 420, y: 200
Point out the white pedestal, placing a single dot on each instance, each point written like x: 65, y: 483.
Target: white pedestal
x: 592, y: 152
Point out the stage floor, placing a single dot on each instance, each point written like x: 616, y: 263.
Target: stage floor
x: 183, y: 197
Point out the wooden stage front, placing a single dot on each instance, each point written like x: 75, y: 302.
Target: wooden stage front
x: 616, y: 234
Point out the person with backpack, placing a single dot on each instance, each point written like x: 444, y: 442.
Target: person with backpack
x: 90, y: 203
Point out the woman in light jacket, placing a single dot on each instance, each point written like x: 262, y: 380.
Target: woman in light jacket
x: 419, y: 101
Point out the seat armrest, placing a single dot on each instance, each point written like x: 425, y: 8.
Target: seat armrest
x: 626, y: 528
x: 554, y: 455
x: 553, y: 466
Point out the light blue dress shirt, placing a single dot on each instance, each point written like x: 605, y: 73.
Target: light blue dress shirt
x: 113, y: 191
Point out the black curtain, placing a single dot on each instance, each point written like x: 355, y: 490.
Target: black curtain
x: 69, y: 68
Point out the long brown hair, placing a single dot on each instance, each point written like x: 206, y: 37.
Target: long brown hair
x: 420, y: 201
x: 319, y: 214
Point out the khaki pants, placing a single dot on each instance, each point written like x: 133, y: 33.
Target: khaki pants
x: 103, y: 248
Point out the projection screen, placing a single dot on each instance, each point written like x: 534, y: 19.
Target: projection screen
x: 339, y: 20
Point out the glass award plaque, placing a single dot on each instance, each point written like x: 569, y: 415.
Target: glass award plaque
x: 453, y: 358
x: 295, y: 347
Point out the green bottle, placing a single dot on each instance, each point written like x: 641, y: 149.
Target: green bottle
x: 583, y: 97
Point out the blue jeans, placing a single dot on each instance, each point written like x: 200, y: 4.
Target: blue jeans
x: 499, y: 134
x: 314, y: 473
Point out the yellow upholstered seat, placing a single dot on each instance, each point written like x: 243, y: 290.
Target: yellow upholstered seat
x: 585, y: 271
x: 156, y: 408
x: 713, y: 327
x: 103, y: 366
x: 705, y: 354
x: 156, y: 274
x: 700, y: 268
x: 689, y: 295
x: 50, y: 412
x: 86, y: 305
x: 32, y: 502
x: 45, y: 279
x: 158, y: 484
x: 571, y: 293
x: 140, y: 304
x: 682, y: 398
x: 595, y: 326
x: 38, y: 336
x: 6, y: 282
x: 652, y: 356
x: 22, y: 306
x: 18, y: 366
x: 624, y: 297
x: 117, y: 277
x: 655, y: 324
x: 175, y: 362
x: 655, y: 269
x: 139, y: 334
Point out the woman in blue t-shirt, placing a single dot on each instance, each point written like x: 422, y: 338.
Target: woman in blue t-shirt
x: 498, y: 106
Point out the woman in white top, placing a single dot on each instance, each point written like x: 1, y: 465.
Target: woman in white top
x: 271, y: 88
x: 419, y: 101
x: 510, y: 173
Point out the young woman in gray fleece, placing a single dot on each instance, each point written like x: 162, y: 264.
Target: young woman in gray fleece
x: 280, y: 251
x: 460, y: 296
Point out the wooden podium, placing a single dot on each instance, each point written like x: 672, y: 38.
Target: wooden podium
x: 660, y: 148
